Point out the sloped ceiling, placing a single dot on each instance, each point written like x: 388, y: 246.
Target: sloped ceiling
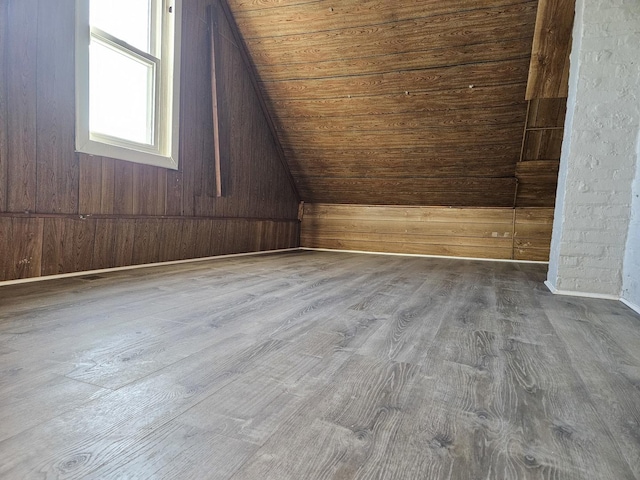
x: 395, y: 102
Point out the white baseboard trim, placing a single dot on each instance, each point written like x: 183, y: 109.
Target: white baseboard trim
x: 144, y: 265
x: 570, y: 293
x: 632, y: 306
x: 421, y: 255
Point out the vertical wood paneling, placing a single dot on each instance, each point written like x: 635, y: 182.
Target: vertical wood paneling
x: 187, y: 239
x: 195, y: 109
x: 125, y: 205
x: 203, y: 242
x: 90, y: 180
x: 149, y: 190
x: 33, y: 246
x: 21, y: 102
x: 146, y: 247
x: 4, y: 13
x: 52, y: 245
x: 20, y: 247
x: 171, y: 240
x: 57, y: 164
x: 174, y: 193
x: 107, y: 187
x: 68, y: 245
x: 255, y: 165
x: 123, y: 200
x: 537, y: 171
x: 546, y: 112
x: 124, y: 242
x: 103, y: 255
x: 218, y: 232
x: 537, y: 183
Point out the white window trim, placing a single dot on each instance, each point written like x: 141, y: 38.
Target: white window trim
x: 168, y: 112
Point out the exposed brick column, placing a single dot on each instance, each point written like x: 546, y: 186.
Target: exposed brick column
x: 598, y: 163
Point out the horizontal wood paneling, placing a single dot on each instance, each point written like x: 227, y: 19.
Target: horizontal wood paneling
x: 300, y: 17
x: 424, y: 102
x: 430, y: 80
x: 471, y: 27
x: 45, y: 176
x: 389, y: 78
x: 493, y: 216
x: 486, y: 161
x: 543, y: 144
x: 20, y: 247
x: 449, y: 137
x: 400, y: 61
x: 532, y: 233
x: 53, y: 244
x: 416, y: 121
x: 500, y: 233
x: 412, y: 191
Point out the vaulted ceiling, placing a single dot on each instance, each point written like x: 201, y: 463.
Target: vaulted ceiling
x: 395, y: 102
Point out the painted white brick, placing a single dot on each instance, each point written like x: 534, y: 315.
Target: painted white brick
x: 592, y: 238
x: 574, y: 249
x: 586, y: 285
x: 631, y: 271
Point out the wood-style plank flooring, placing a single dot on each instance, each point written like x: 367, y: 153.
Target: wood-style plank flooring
x: 317, y: 365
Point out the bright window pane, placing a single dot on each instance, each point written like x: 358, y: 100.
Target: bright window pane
x: 120, y: 94
x: 128, y: 20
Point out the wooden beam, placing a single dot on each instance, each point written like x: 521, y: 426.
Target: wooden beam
x: 213, y: 41
x: 548, y: 72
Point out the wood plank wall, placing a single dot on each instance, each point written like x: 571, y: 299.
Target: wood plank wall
x: 549, y: 68
x: 63, y: 212
x: 521, y: 231
x: 537, y: 170
x: 395, y: 102
x: 547, y: 91
x: 499, y: 233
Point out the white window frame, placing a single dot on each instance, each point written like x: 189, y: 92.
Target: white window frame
x: 164, y: 152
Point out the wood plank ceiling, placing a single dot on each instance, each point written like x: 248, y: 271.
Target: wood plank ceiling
x: 416, y: 102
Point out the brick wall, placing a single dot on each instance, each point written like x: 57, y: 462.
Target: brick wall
x: 631, y: 277
x: 600, y: 148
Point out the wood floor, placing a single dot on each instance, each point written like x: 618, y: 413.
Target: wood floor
x: 317, y: 365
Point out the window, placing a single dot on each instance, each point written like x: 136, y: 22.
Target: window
x: 127, y: 79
